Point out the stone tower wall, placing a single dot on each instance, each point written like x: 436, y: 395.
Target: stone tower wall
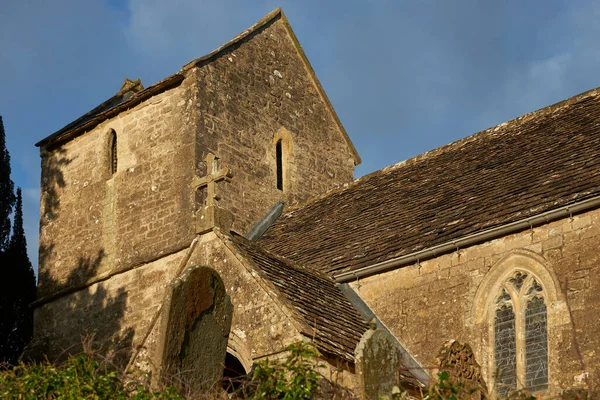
x: 110, y: 243
x: 245, y: 97
x: 93, y: 221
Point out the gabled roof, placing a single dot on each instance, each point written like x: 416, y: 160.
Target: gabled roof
x: 265, y: 21
x: 532, y: 164
x: 120, y: 103
x: 325, y: 313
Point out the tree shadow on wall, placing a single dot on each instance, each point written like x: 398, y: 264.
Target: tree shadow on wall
x: 52, y: 180
x: 73, y: 313
x: 70, y: 309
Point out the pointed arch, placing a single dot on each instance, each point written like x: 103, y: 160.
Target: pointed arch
x: 284, y: 159
x: 519, y: 260
x: 237, y: 347
x: 516, y: 303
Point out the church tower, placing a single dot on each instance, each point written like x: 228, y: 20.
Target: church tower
x: 128, y: 186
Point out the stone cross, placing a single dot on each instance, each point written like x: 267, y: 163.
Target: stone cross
x: 213, y: 175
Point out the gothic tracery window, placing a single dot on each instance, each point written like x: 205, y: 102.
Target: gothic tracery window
x: 520, y: 335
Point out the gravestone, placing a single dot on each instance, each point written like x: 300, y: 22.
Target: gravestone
x: 458, y: 360
x: 380, y: 366
x: 193, y: 330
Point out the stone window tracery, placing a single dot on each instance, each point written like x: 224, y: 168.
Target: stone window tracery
x: 520, y: 335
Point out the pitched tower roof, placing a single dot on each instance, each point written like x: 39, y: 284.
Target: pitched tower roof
x: 120, y: 102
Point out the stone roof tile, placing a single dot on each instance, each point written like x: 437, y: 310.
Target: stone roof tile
x: 327, y: 315
x: 535, y: 163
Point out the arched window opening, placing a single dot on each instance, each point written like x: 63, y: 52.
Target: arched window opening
x: 520, y: 328
x: 113, y: 151
x: 234, y: 374
x: 279, y: 156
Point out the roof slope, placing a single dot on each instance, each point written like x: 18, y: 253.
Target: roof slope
x: 326, y: 313
x: 535, y: 163
x: 131, y: 94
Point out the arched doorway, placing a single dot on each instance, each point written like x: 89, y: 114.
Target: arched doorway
x: 234, y: 374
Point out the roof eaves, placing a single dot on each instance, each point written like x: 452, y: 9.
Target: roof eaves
x: 72, y: 130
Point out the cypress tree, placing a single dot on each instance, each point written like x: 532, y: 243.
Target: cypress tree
x: 7, y: 196
x: 17, y: 285
x: 23, y: 278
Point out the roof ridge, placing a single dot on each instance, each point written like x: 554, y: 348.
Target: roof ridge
x: 74, y: 126
x: 544, y: 111
x: 547, y: 110
x: 278, y: 13
x: 238, y: 38
x: 98, y: 114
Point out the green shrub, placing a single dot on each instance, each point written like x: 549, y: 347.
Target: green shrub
x: 80, y: 377
x: 294, y: 379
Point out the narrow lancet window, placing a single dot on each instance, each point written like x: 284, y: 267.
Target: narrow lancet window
x: 113, y: 152
x: 279, y: 155
x: 536, y: 345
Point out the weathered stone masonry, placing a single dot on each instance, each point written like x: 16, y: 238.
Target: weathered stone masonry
x: 243, y: 98
x: 429, y: 303
x: 110, y: 243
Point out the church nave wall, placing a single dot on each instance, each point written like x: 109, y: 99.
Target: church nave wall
x: 437, y: 300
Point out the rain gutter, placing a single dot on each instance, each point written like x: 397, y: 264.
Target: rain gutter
x: 493, y: 233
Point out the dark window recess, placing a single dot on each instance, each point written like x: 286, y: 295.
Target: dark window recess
x: 279, y: 156
x: 113, y: 152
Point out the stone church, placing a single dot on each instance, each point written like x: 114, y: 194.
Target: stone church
x: 238, y: 162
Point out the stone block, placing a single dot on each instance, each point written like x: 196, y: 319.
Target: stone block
x: 581, y: 221
x: 518, y: 241
x: 553, y: 242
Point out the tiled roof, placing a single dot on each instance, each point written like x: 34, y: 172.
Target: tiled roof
x: 535, y: 163
x: 326, y: 313
x: 123, y: 100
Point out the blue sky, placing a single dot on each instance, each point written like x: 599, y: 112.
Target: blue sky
x: 404, y: 76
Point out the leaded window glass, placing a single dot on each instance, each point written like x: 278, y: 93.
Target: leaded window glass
x: 521, y: 330
x: 506, y: 350
x: 536, y: 345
